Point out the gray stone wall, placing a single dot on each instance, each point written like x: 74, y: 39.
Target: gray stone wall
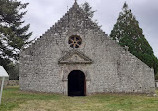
x: 156, y: 84
x: 113, y: 68
x: 8, y: 82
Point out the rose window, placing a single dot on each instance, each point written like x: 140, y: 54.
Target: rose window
x: 75, y: 41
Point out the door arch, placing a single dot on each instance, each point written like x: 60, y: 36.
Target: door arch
x: 76, y: 83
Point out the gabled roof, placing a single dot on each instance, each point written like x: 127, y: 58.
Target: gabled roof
x: 75, y: 57
x: 71, y: 19
x: 3, y: 72
x: 75, y: 19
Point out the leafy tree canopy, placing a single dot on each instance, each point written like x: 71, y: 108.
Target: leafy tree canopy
x: 13, y: 33
x: 88, y: 11
x: 127, y: 32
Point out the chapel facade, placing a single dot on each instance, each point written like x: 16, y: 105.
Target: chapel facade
x: 76, y: 58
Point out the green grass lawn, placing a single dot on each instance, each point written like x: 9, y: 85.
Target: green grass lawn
x: 16, y: 100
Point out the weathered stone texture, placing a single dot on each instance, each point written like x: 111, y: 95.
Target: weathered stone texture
x: 8, y: 82
x: 111, y: 69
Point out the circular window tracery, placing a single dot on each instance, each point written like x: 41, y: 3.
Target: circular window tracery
x: 75, y: 41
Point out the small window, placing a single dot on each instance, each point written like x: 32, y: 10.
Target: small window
x: 75, y: 41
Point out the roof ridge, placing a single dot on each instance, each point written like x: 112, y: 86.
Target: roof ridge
x: 57, y: 25
x: 75, y: 5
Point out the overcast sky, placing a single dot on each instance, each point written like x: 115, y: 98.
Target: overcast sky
x: 42, y: 14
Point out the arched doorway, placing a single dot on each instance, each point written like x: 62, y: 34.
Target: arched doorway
x: 76, y: 83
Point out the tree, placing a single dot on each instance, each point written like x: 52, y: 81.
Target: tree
x: 156, y: 67
x: 88, y: 11
x: 127, y: 32
x: 13, y: 34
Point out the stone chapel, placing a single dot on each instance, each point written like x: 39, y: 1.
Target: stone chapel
x: 76, y: 58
